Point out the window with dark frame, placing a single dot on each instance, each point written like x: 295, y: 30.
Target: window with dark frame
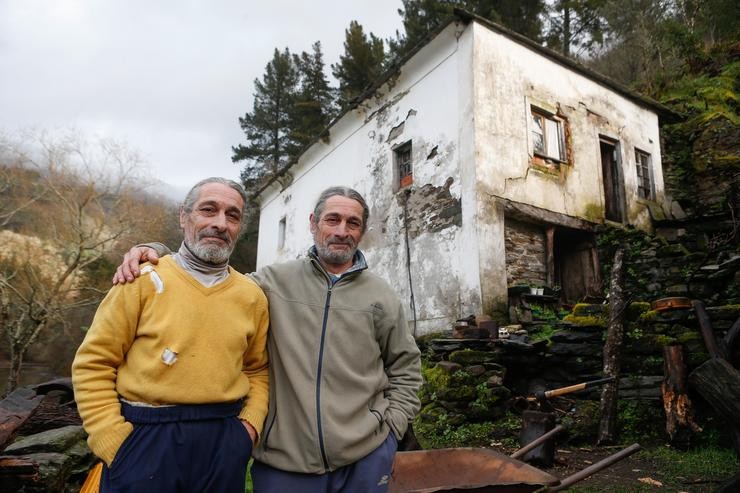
x: 404, y: 165
x: 548, y: 136
x: 645, y: 189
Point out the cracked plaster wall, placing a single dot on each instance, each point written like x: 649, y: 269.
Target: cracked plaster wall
x: 420, y: 105
x: 464, y: 103
x: 508, y: 79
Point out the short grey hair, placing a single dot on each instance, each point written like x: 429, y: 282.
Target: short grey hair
x: 194, y: 193
x: 341, y: 192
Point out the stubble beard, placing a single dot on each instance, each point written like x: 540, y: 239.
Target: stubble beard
x: 209, y: 252
x: 335, y: 257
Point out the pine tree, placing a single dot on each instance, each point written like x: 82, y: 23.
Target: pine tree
x: 270, y: 140
x: 419, y: 18
x: 576, y: 25
x: 314, y: 103
x: 522, y: 16
x: 422, y: 16
x: 361, y: 64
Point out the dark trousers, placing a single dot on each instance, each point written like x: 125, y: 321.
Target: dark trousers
x: 371, y: 474
x: 178, y: 449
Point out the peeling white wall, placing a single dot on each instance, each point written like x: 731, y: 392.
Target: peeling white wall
x: 425, y: 97
x: 466, y: 95
x: 509, y: 78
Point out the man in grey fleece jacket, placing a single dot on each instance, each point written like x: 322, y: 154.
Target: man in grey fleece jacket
x: 344, y: 368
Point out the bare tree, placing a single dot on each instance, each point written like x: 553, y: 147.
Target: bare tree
x: 89, y: 200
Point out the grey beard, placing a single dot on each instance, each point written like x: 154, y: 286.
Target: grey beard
x: 332, y: 257
x: 213, y: 254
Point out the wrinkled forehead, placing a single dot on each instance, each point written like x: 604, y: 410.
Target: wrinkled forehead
x: 218, y: 194
x: 342, y: 206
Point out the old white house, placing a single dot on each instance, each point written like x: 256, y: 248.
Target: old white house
x: 486, y: 160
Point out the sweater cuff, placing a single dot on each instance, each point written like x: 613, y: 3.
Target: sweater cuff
x: 257, y: 420
x: 106, y: 444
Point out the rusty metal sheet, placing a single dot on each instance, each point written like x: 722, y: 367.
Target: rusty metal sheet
x: 464, y: 470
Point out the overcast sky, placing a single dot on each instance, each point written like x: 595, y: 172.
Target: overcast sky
x: 169, y: 77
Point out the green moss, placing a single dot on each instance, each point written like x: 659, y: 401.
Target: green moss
x: 685, y: 337
x: 649, y: 316
x: 435, y: 377
x: 542, y: 333
x: 468, y: 357
x: 664, y: 340
x: 589, y: 321
x: 456, y: 394
x: 588, y: 309
x: 593, y: 212
x: 636, y: 309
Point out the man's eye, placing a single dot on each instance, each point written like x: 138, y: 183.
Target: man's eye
x: 332, y: 221
x: 354, y: 224
x: 207, y: 210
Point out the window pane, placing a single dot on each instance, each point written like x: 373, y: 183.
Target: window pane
x: 552, y: 139
x: 538, y: 137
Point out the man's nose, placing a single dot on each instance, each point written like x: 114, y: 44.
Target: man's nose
x: 341, y: 229
x: 219, y: 221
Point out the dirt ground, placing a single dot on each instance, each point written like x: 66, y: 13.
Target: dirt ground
x: 636, y: 473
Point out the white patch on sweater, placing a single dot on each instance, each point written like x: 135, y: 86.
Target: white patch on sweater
x: 156, y: 280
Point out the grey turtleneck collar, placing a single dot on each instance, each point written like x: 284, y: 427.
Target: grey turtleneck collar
x: 205, y: 273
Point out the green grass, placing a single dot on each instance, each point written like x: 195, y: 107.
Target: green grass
x: 695, y: 471
x: 708, y: 463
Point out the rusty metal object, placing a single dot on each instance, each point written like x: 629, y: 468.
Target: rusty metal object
x: 664, y: 304
x: 594, y: 468
x: 464, y: 470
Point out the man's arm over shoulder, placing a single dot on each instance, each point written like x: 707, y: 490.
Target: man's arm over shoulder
x: 129, y: 270
x: 402, y: 360
x: 95, y: 369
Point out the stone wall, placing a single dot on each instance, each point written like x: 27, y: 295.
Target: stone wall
x: 489, y: 377
x: 698, y: 259
x: 525, y: 253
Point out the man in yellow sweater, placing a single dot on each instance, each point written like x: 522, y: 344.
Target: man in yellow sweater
x: 171, y: 380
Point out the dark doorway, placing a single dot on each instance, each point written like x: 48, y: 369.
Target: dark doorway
x: 576, y: 264
x: 613, y: 185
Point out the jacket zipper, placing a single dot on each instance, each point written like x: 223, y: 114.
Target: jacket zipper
x: 318, y: 378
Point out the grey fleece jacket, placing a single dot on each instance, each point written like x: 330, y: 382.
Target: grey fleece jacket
x: 344, y: 367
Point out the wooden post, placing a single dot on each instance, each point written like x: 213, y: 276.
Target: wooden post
x: 676, y: 403
x: 612, y: 351
x: 705, y: 327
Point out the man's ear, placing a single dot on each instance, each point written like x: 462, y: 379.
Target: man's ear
x: 183, y: 217
x: 312, y: 223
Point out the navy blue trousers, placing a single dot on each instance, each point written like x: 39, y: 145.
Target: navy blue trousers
x: 371, y: 474
x: 179, y: 449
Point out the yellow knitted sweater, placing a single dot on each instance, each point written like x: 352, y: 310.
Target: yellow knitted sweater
x: 167, y: 339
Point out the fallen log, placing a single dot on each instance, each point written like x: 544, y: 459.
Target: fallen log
x: 719, y: 383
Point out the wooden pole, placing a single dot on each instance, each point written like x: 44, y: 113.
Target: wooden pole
x: 613, y: 350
